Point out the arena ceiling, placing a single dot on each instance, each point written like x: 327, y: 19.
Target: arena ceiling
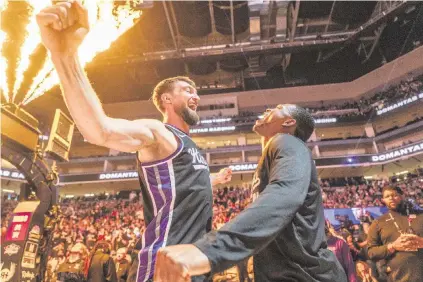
x: 248, y: 45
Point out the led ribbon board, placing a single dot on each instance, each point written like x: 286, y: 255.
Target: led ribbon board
x: 400, y: 104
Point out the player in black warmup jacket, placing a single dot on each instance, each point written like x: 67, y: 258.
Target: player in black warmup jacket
x: 284, y: 228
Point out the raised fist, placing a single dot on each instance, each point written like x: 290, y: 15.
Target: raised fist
x: 63, y: 27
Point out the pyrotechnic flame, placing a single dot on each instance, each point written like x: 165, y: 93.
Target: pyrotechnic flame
x: 3, y: 4
x: 3, y: 63
x: 3, y: 67
x: 31, y: 42
x: 104, y: 29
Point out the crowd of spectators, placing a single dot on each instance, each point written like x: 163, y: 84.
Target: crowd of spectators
x: 405, y: 89
x: 349, y: 240
x: 228, y: 202
x: 360, y: 192
x: 85, y: 222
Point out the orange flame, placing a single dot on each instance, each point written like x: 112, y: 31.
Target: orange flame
x: 3, y: 63
x: 3, y: 66
x: 105, y: 28
x: 30, y: 44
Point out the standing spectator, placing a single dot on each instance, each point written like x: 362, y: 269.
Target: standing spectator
x: 121, y: 240
x: 73, y: 268
x: 53, y: 265
x: 342, y: 252
x: 122, y: 265
x: 100, y: 266
x: 389, y: 238
x: 132, y: 196
x: 91, y: 238
x: 375, y: 267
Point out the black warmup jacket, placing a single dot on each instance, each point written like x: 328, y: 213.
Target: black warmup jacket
x: 284, y: 227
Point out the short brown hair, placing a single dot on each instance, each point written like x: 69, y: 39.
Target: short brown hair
x: 165, y: 86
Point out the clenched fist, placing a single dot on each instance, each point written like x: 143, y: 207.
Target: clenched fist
x: 63, y: 27
x: 223, y: 176
x: 179, y: 263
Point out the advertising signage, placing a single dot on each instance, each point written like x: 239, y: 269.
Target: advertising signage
x: 243, y: 167
x: 405, y: 151
x: 7, y: 173
x: 212, y: 129
x: 118, y: 175
x: 384, y: 157
x: 400, y: 104
x: 99, y: 177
